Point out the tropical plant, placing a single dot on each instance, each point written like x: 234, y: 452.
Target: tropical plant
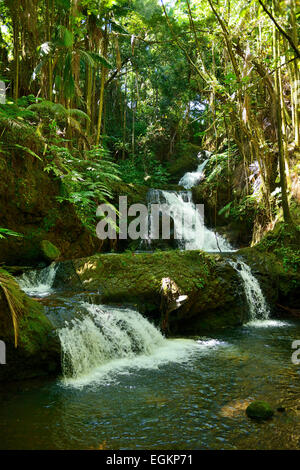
x: 85, y: 177
x: 5, y: 232
x: 14, y: 298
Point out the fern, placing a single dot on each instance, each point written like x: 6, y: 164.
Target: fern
x: 73, y: 118
x: 86, y: 179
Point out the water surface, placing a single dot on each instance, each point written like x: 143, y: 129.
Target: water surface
x: 194, y: 399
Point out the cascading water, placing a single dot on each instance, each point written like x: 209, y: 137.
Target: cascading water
x: 107, y: 339
x: 190, y: 179
x: 207, y: 240
x: 258, y: 307
x: 38, y: 282
x: 192, y: 234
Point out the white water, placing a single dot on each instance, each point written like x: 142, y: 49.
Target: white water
x: 189, y: 227
x: 38, y: 282
x: 192, y: 234
x: 190, y: 179
x: 258, y: 307
x: 267, y: 324
x: 110, y: 341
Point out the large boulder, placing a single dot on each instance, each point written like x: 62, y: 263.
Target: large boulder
x: 215, y: 297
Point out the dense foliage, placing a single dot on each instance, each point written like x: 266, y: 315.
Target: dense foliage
x: 123, y: 86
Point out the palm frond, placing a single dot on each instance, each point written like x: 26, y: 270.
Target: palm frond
x: 14, y: 298
x: 77, y: 113
x: 99, y: 58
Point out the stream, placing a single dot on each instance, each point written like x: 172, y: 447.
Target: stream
x: 125, y: 386
x: 186, y: 393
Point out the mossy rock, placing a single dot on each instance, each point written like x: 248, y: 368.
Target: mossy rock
x: 259, y: 410
x: 182, y: 165
x: 279, y: 281
x: 38, y: 349
x: 135, y: 193
x: 216, y: 299
x: 50, y: 252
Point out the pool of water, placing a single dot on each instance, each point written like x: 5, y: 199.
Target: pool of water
x: 194, y: 399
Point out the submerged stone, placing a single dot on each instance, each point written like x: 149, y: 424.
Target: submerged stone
x: 281, y: 409
x: 259, y: 410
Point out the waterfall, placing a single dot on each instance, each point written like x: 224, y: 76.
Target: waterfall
x: 192, y: 234
x: 107, y: 338
x: 258, y: 307
x: 38, y: 282
x: 190, y: 179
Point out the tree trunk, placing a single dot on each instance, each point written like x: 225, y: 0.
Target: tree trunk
x: 102, y: 86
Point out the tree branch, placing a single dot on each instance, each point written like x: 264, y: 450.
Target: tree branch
x: 290, y: 40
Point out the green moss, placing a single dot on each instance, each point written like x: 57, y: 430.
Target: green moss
x: 145, y: 271
x: 50, y: 252
x: 135, y: 193
x: 34, y: 327
x: 38, y: 350
x: 135, y: 279
x: 259, y: 410
x: 183, y: 164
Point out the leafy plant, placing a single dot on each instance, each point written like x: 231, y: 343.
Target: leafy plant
x: 148, y: 171
x: 14, y: 299
x: 5, y: 232
x: 55, y: 114
x: 245, y: 208
x: 290, y: 258
x: 85, y: 179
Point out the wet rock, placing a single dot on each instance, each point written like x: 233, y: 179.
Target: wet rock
x: 281, y: 409
x: 259, y: 410
x: 171, y: 300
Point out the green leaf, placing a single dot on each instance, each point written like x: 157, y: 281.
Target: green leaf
x: 68, y: 39
x: 4, y: 232
x: 100, y: 59
x: 26, y: 149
